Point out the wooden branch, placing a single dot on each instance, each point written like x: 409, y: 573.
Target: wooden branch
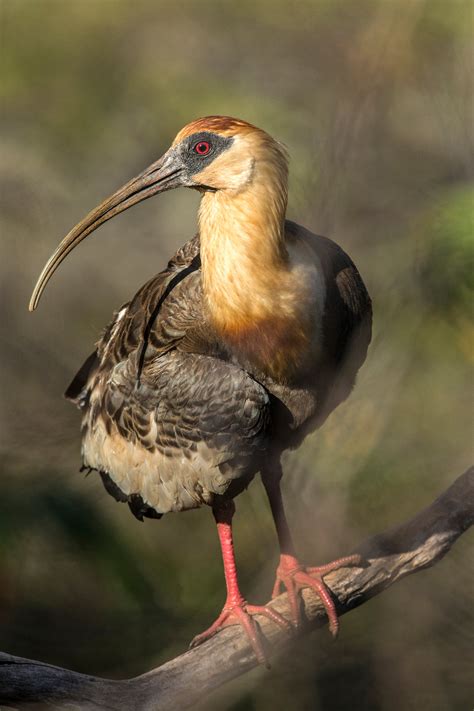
x: 182, y: 682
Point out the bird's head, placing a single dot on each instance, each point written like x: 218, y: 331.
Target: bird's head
x: 216, y: 153
x: 223, y: 153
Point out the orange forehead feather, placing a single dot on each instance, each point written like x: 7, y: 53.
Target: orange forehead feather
x: 225, y: 125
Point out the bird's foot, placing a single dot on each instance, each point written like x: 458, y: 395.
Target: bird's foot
x: 239, y: 612
x: 294, y: 576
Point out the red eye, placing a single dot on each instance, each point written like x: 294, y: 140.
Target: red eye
x: 202, y: 148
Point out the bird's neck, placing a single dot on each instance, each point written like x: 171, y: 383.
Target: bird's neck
x: 251, y: 292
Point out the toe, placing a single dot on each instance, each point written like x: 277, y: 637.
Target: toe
x: 272, y: 615
x: 322, y: 591
x: 212, y: 630
x: 243, y: 615
x: 346, y: 562
x: 253, y: 634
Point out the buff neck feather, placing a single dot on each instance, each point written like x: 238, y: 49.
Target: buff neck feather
x: 254, y: 297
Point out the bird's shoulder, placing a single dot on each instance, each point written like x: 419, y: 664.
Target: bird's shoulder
x: 336, y: 266
x: 165, y: 313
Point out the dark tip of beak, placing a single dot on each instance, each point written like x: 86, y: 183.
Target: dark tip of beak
x: 164, y: 174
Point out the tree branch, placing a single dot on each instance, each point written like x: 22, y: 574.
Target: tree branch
x: 182, y: 682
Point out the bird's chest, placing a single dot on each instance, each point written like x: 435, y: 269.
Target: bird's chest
x: 272, y: 332
x: 287, y: 367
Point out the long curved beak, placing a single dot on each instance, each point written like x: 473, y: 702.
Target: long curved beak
x: 165, y: 174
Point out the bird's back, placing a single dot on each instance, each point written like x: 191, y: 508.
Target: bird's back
x: 346, y: 326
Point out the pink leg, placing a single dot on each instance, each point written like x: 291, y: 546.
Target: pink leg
x: 291, y: 574
x: 236, y: 610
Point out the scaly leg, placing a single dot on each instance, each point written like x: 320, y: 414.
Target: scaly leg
x: 290, y: 572
x: 236, y: 610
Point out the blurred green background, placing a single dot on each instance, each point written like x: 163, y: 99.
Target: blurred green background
x: 374, y: 102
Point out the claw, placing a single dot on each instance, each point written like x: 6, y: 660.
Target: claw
x: 243, y: 614
x: 294, y: 577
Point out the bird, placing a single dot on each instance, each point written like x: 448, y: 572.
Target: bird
x: 245, y: 343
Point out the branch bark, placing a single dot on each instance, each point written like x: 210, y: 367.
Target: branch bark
x: 183, y: 681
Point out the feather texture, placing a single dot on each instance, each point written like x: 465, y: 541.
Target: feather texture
x: 177, y: 413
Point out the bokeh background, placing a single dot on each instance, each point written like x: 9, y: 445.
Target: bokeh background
x: 374, y: 102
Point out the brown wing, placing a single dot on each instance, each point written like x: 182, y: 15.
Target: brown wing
x: 346, y: 326
x: 136, y: 330
x: 346, y: 332
x: 347, y: 320
x: 193, y: 429
x: 169, y: 423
